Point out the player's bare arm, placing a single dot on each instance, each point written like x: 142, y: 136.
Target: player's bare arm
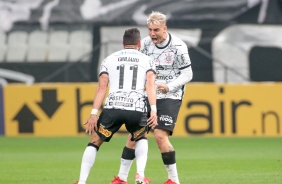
x: 151, y: 92
x: 98, y: 100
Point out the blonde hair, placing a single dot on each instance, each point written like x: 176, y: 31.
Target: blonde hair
x: 156, y: 17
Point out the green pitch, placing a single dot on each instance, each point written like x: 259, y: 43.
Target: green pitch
x: 200, y: 160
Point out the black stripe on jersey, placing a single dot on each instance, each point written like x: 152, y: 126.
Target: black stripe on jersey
x: 151, y: 71
x: 134, y: 78
x: 184, y: 67
x: 121, y: 76
x: 166, y: 44
x: 103, y: 73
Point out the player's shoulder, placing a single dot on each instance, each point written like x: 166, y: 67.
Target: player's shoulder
x: 114, y: 54
x: 146, y: 57
x: 145, y: 60
x: 177, y: 41
x: 147, y: 40
x: 112, y: 57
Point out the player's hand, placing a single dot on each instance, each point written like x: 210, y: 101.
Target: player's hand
x: 163, y: 88
x: 153, y: 120
x: 91, y: 123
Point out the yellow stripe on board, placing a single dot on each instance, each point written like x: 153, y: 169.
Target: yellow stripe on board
x: 208, y: 109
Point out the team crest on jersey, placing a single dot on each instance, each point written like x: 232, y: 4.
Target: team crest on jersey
x: 168, y: 58
x: 105, y: 132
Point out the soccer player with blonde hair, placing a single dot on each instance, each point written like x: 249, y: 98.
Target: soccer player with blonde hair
x: 173, y: 66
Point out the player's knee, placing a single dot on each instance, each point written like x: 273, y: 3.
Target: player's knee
x: 161, y: 137
x: 161, y: 134
x: 160, y: 140
x: 128, y: 153
x: 95, y: 139
x: 130, y: 144
x: 93, y: 145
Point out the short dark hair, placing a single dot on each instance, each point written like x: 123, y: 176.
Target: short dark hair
x: 131, y: 36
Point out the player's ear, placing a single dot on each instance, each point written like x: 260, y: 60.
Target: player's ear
x: 139, y: 45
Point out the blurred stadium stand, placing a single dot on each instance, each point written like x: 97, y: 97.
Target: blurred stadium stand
x: 16, y: 46
x: 42, y: 46
x: 37, y: 46
x: 65, y: 40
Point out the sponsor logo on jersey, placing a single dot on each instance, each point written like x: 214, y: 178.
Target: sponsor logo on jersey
x: 121, y: 98
x: 164, y: 77
x: 157, y: 61
x: 123, y: 104
x: 138, y: 132
x: 105, y: 132
x: 158, y: 67
x: 168, y: 119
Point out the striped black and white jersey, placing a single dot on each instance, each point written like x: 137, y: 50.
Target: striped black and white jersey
x: 127, y: 71
x: 171, y: 60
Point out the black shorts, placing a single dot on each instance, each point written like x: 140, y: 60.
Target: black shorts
x: 167, y: 113
x: 111, y: 120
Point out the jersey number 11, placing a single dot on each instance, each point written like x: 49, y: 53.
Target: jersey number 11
x: 121, y: 69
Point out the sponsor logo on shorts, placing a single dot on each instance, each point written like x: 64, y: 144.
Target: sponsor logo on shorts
x: 168, y: 119
x: 138, y: 132
x: 105, y: 132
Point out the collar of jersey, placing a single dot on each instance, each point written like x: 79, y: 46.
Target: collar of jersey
x: 169, y: 39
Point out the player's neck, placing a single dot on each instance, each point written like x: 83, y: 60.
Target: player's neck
x: 164, y: 37
x: 131, y: 47
x: 164, y: 40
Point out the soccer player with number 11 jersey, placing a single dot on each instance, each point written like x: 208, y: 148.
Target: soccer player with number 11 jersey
x: 127, y: 72
x: 173, y: 67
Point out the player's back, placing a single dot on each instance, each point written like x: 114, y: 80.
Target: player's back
x: 127, y: 77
